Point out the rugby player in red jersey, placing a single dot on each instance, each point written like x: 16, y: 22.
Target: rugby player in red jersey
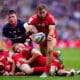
x: 30, y: 60
x: 7, y: 63
x: 45, y: 22
x: 27, y: 57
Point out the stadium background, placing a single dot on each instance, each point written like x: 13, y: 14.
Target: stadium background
x: 66, y: 13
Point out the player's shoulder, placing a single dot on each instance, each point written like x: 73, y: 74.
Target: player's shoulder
x: 6, y: 26
x: 21, y: 22
x: 32, y: 19
x: 34, y: 16
x: 49, y: 15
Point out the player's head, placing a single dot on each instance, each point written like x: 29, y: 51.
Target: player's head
x: 18, y: 47
x: 12, y: 17
x: 41, y: 11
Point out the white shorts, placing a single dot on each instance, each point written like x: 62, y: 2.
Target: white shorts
x: 23, y: 67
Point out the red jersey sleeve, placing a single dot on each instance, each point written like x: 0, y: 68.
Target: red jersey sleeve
x: 32, y: 20
x: 51, y: 19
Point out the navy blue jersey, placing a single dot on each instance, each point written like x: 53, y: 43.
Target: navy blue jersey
x: 17, y: 34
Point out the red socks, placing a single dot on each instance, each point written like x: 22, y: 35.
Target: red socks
x: 38, y: 69
x: 55, y: 54
x: 47, y: 68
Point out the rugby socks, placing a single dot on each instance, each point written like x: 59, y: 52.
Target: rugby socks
x: 38, y: 69
x: 46, y: 71
x: 57, y: 55
x: 47, y: 68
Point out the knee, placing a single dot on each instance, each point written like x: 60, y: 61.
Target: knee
x: 50, y: 51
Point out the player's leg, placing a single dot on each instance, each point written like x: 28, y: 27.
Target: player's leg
x: 55, y: 66
x: 39, y: 69
x: 43, y: 50
x: 26, y: 69
x: 63, y: 72
x: 50, y: 49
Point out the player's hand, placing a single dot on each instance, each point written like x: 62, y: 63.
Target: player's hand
x: 23, y: 60
x: 49, y: 38
x: 11, y: 73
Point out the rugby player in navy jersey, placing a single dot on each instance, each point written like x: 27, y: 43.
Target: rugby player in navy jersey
x: 14, y: 30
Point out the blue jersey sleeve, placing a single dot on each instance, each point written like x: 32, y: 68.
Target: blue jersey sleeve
x: 4, y: 31
x: 21, y: 23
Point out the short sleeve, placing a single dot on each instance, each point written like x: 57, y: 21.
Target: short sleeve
x: 51, y: 20
x: 4, y: 32
x: 32, y: 21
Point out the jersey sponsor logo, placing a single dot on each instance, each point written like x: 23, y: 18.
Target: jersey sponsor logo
x: 15, y: 31
x: 16, y: 37
x: 15, y: 34
x: 43, y: 24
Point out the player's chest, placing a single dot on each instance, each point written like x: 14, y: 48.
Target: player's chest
x: 14, y: 31
x: 41, y: 23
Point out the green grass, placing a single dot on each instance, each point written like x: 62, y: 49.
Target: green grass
x: 38, y: 78
x: 71, y: 59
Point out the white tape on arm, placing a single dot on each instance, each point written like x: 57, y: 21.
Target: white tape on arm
x: 25, y: 26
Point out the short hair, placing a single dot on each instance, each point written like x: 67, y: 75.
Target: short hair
x: 11, y: 12
x: 41, y: 7
x: 13, y: 47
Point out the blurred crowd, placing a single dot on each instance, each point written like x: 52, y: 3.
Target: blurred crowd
x: 66, y: 13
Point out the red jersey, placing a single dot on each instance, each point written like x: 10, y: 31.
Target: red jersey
x: 57, y: 63
x: 27, y: 52
x: 39, y: 61
x: 42, y: 25
x: 16, y: 58
x: 3, y: 58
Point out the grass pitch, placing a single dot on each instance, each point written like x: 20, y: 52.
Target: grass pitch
x: 71, y: 59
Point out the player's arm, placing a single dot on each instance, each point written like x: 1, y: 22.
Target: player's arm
x: 51, y: 29
x: 32, y: 22
x: 12, y: 65
x: 35, y: 53
x: 4, y: 39
x: 30, y: 30
x: 51, y: 26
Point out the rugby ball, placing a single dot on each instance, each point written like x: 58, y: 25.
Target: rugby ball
x: 39, y: 37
